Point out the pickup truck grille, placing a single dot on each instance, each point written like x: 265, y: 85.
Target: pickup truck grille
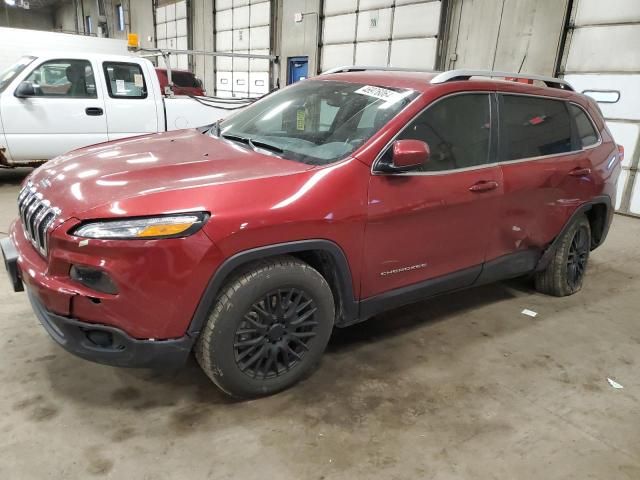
x: 37, y: 216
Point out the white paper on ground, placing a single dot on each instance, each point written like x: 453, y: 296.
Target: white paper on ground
x: 530, y: 313
x: 614, y: 384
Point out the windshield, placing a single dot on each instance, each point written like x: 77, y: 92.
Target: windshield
x: 316, y: 121
x: 10, y: 73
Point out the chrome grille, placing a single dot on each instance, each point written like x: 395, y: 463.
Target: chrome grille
x: 37, y: 216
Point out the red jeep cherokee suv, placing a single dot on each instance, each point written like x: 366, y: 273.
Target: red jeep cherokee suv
x: 320, y: 205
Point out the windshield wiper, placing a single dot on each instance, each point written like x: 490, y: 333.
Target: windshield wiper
x: 235, y: 138
x: 252, y: 143
x: 266, y: 146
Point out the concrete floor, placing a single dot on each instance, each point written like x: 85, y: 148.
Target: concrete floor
x: 463, y: 386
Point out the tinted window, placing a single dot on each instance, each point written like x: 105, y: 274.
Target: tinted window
x: 586, y: 132
x: 124, y: 80
x: 533, y: 127
x: 64, y: 78
x: 457, y: 130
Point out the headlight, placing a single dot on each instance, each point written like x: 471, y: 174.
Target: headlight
x: 168, y: 226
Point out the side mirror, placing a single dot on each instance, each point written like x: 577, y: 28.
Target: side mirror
x: 407, y: 155
x: 24, y: 90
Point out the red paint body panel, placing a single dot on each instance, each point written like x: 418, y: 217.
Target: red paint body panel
x: 380, y: 222
x: 430, y: 220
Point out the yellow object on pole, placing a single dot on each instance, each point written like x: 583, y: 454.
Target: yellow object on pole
x: 132, y: 40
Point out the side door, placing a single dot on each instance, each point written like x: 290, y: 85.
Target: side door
x: 429, y: 228
x: 129, y: 96
x: 60, y: 109
x: 547, y: 174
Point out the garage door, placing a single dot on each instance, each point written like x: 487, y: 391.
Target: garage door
x: 172, y: 32
x: 509, y: 35
x: 242, y: 26
x: 603, y: 61
x: 400, y: 33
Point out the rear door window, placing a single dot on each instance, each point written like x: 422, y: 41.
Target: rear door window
x: 586, y: 132
x: 534, y: 127
x: 124, y: 80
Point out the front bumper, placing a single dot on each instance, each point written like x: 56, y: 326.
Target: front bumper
x: 10, y: 255
x: 109, y: 345
x: 96, y: 342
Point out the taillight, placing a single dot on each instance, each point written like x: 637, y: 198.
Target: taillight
x: 621, y: 153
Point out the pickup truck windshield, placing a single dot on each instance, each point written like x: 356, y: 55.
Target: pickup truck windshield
x: 7, y: 76
x: 316, y: 121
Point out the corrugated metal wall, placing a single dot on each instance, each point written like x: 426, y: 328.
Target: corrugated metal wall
x: 400, y: 33
x: 602, y: 59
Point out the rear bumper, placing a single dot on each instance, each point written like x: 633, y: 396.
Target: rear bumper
x: 109, y: 345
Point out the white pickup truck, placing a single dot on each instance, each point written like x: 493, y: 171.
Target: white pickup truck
x: 52, y: 103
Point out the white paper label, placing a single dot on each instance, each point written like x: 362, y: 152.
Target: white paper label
x: 379, y: 92
x: 137, y: 80
x: 120, y: 86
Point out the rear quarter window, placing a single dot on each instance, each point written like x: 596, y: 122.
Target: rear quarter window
x: 534, y: 127
x: 584, y: 128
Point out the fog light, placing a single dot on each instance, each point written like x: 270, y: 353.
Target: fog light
x: 94, y: 279
x: 100, y: 338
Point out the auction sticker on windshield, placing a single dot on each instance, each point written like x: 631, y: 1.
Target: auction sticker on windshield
x: 379, y: 92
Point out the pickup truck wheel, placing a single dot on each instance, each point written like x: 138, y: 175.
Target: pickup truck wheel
x: 565, y: 273
x: 267, y: 329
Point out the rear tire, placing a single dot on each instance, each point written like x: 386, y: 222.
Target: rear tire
x: 267, y: 329
x: 565, y: 273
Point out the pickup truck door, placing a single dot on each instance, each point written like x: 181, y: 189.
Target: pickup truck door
x: 130, y: 98
x: 62, y: 110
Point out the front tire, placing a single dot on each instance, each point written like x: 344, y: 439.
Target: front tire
x: 267, y: 329
x: 565, y: 273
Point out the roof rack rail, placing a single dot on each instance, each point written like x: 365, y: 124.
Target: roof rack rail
x: 363, y: 68
x: 453, y: 75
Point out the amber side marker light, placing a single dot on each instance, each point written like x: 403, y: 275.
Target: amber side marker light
x: 164, y: 230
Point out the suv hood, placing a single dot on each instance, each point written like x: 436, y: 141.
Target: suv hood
x: 148, y: 168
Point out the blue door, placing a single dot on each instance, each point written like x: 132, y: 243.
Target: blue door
x: 298, y: 69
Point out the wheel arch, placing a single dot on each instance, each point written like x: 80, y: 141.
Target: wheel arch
x: 323, y: 255
x: 598, y: 211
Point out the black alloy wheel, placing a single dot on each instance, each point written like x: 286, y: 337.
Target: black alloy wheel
x: 577, y: 257
x: 275, y: 333
x: 268, y: 328
x: 565, y: 272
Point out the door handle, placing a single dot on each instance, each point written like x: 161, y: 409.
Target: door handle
x: 580, y: 172
x: 93, y: 111
x: 483, y: 186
